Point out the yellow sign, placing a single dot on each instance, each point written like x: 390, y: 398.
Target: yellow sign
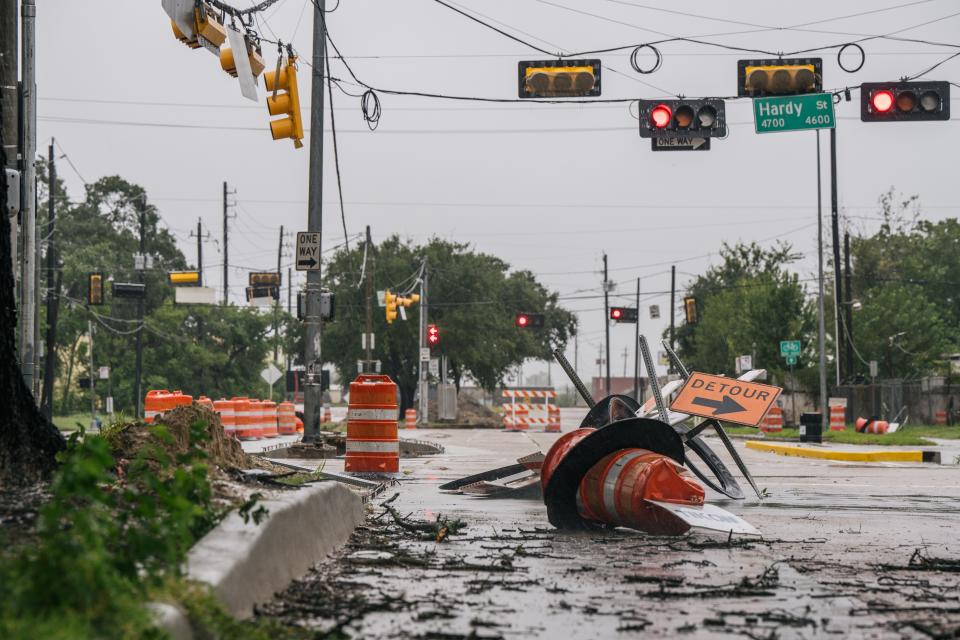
x: 725, y: 399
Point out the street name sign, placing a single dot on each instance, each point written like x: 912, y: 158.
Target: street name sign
x: 726, y: 399
x: 793, y: 113
x: 791, y: 360
x: 680, y: 144
x: 308, y: 251
x: 789, y: 348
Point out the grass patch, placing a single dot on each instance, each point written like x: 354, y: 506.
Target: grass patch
x: 70, y: 421
x: 910, y: 436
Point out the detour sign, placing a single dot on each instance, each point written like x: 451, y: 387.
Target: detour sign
x: 725, y: 399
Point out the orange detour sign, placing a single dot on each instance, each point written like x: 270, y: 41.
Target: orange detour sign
x: 725, y: 399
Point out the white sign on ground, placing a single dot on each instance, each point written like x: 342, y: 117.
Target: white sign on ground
x: 709, y: 517
x: 271, y: 374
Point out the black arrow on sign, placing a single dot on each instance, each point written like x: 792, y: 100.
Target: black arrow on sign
x: 307, y: 263
x: 726, y: 405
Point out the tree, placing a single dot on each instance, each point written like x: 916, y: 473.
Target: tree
x: 473, y: 300
x: 29, y: 443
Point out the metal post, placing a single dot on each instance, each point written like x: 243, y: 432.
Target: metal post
x: 93, y: 394
x: 424, y: 387
x: 138, y: 380
x: 276, y: 303
x: 10, y: 100
x: 368, y: 294
x: 673, y: 310
x: 821, y: 330
x: 848, y: 307
x: 226, y: 253
x: 838, y: 285
x: 37, y: 262
x: 636, y: 353
x: 606, y: 320
x: 313, y: 326
x: 28, y: 219
x: 53, y: 291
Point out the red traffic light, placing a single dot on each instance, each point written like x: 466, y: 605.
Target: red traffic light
x: 529, y: 320
x: 433, y: 335
x: 882, y: 101
x: 522, y: 320
x: 660, y: 116
x: 616, y: 313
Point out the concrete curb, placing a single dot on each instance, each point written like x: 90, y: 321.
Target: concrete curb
x: 246, y: 563
x: 847, y: 456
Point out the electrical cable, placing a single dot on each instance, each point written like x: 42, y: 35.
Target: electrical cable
x: 336, y: 153
x: 926, y: 71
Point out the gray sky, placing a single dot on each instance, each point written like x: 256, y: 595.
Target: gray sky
x: 548, y: 188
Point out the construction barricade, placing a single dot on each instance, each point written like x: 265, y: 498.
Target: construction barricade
x: 520, y: 416
x: 553, y: 419
x: 372, y: 416
x: 410, y: 418
x: 773, y: 421
x: 838, y: 414
x: 268, y: 419
x: 227, y: 417
x: 286, y: 419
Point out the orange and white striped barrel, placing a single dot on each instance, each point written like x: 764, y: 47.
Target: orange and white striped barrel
x: 773, y: 421
x: 180, y: 399
x: 299, y: 424
x: 286, y: 419
x: 227, y: 417
x: 410, y: 418
x: 372, y: 441
x: 244, y: 419
x: 553, y: 419
x: 204, y: 401
x: 864, y: 425
x: 268, y: 418
x: 838, y: 417
x: 940, y: 418
x: 154, y: 404
x: 327, y: 415
x: 615, y: 491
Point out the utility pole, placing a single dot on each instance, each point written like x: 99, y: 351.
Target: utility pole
x: 848, y: 307
x: 835, y: 221
x: 673, y: 310
x: 28, y: 218
x: 626, y: 353
x: 200, y: 249
x: 368, y: 294
x: 53, y: 291
x: 636, y: 353
x: 276, y: 303
x: 10, y: 100
x: 289, y: 308
x: 576, y: 363
x: 138, y: 382
x: 313, y: 325
x: 821, y: 330
x: 606, y: 319
x: 226, y: 253
x: 424, y: 388
x: 93, y: 393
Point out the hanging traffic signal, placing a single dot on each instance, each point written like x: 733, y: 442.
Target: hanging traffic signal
x: 683, y: 118
x: 285, y: 101
x: 690, y: 309
x: 559, y: 78
x: 95, y: 288
x: 529, y: 320
x: 184, y: 278
x: 265, y: 278
x: 779, y: 77
x: 390, y: 301
x: 433, y: 335
x: 254, y: 54
x: 129, y: 290
x: 208, y: 31
x: 904, y: 101
x: 624, y: 314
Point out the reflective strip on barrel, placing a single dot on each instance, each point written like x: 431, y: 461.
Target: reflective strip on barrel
x: 227, y: 416
x: 372, y: 442
x: 268, y: 417
x: 286, y: 419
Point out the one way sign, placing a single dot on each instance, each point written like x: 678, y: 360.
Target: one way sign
x: 680, y: 144
x: 308, y: 251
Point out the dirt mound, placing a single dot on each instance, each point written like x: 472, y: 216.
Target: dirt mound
x: 222, y: 451
x: 469, y: 411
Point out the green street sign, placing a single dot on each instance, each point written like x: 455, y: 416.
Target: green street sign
x: 791, y: 360
x: 789, y: 348
x: 793, y: 113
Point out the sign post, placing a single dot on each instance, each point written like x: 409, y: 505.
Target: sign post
x: 270, y: 375
x: 775, y: 114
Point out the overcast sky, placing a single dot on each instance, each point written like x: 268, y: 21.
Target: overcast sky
x: 548, y: 188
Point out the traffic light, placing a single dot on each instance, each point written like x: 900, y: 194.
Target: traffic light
x: 690, y: 309
x: 208, y: 31
x: 184, y: 278
x: 129, y: 290
x: 285, y: 101
x: 529, y: 320
x: 261, y: 292
x: 624, y: 314
x: 254, y: 54
x: 559, y: 78
x: 779, y: 77
x: 433, y: 335
x: 265, y: 279
x: 904, y: 101
x: 95, y: 288
x: 390, y: 300
x: 682, y: 118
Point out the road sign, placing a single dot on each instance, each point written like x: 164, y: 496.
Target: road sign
x: 873, y: 368
x: 793, y: 113
x: 308, y: 251
x: 725, y: 399
x: 435, y: 366
x: 104, y: 373
x: 425, y: 354
x: 271, y: 374
x: 744, y: 363
x: 789, y: 348
x: 654, y: 311
x: 791, y: 360
x: 680, y: 144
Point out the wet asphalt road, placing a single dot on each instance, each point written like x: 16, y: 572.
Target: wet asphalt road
x: 848, y: 551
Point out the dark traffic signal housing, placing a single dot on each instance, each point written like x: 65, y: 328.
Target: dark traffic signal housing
x: 690, y: 309
x: 529, y: 320
x: 95, y: 288
x: 779, y: 77
x: 682, y: 118
x: 559, y: 78
x: 904, y: 101
x: 624, y: 314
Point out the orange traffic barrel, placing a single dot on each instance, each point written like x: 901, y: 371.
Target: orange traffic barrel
x: 286, y: 419
x: 940, y: 418
x: 256, y: 418
x: 154, y: 404
x: 553, y: 419
x: 327, y: 415
x: 180, y: 399
x: 243, y: 413
x: 227, y: 417
x: 299, y: 425
x: 268, y: 418
x: 871, y: 425
x: 616, y: 491
x: 773, y: 421
x: 204, y: 401
x: 372, y: 443
x: 410, y: 418
x: 838, y: 417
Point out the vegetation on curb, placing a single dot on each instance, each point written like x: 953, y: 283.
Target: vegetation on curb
x: 909, y: 436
